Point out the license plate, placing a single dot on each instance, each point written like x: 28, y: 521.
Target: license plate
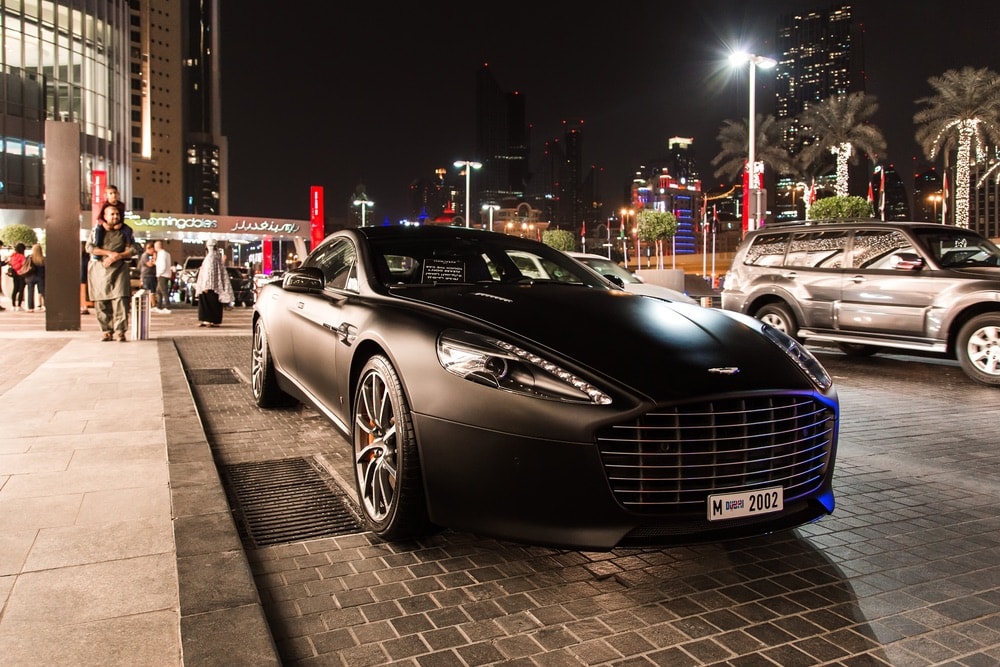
x: 745, y: 503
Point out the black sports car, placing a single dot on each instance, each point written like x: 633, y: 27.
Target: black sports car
x: 558, y: 411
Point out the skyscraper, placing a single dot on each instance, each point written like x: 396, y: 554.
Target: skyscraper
x: 502, y: 144
x: 820, y: 53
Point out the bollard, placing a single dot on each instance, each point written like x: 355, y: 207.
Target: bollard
x: 706, y: 301
x: 140, y: 315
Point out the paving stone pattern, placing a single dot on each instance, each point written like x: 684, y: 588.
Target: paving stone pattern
x: 906, y: 572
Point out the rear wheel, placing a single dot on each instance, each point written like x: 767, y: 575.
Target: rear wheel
x: 263, y: 381
x: 978, y: 348
x: 779, y: 317
x: 386, y: 463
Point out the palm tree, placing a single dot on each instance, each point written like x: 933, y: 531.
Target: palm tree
x: 963, y: 114
x: 734, y: 137
x: 840, y: 125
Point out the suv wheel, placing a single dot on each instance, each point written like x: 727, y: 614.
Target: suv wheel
x: 978, y: 348
x: 779, y: 317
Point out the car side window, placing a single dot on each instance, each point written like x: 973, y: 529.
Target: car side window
x: 338, y: 261
x: 767, y: 250
x: 878, y: 248
x: 817, y: 249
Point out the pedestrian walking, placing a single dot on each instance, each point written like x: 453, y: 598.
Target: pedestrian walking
x: 108, y: 272
x: 15, y: 264
x: 212, y: 287
x: 147, y: 272
x: 164, y: 278
x: 34, y: 282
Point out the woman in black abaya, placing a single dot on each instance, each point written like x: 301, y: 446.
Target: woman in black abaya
x: 212, y: 287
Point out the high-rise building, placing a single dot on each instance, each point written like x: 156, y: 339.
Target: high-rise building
x: 671, y: 183
x: 62, y: 61
x: 502, y: 144
x: 140, y: 77
x: 820, y: 53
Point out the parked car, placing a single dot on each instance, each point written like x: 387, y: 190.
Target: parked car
x: 185, y: 279
x: 867, y: 285
x: 244, y: 293
x: 560, y: 411
x: 628, y: 280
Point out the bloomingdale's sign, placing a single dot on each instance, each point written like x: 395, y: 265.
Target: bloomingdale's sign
x: 164, y: 223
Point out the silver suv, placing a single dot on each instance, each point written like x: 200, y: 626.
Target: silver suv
x: 866, y: 285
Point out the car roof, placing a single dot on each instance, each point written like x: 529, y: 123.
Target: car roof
x: 588, y: 255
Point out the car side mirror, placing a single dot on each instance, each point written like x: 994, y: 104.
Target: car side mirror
x: 909, y: 261
x: 305, y: 279
x: 617, y: 280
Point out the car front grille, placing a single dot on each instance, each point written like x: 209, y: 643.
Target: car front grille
x: 668, y: 461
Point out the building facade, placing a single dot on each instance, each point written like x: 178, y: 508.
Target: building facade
x: 140, y: 78
x: 820, y: 53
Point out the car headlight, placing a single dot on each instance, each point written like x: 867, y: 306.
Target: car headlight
x: 494, y: 363
x: 798, y: 353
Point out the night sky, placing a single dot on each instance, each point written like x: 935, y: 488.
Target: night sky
x: 337, y: 94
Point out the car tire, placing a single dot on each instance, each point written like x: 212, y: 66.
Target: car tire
x: 386, y: 463
x: 263, y: 380
x: 779, y: 317
x: 857, y: 349
x: 978, y: 348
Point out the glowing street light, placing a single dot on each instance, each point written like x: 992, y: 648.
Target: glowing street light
x: 751, y: 193
x: 491, y: 208
x: 365, y: 204
x: 469, y: 166
x: 935, y: 199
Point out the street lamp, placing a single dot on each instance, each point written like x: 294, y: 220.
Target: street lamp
x: 469, y: 166
x: 935, y: 199
x: 490, y: 208
x: 752, y: 189
x: 624, y: 235
x: 365, y: 204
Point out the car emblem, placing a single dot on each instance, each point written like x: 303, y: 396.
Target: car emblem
x: 724, y: 370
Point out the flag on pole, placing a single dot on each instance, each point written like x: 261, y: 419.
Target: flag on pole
x: 715, y: 219
x: 583, y: 236
x: 871, y: 194
x: 944, y: 199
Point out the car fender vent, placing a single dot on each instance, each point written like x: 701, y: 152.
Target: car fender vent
x: 287, y: 500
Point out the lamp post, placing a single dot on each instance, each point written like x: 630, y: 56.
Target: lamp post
x: 751, y: 193
x: 365, y: 204
x: 490, y: 208
x: 935, y: 199
x: 624, y: 234
x: 469, y: 166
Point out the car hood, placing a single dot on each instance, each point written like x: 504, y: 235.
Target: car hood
x: 663, y: 350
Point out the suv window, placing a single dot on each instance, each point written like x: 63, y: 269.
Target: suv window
x: 878, y: 248
x: 766, y: 250
x: 817, y: 249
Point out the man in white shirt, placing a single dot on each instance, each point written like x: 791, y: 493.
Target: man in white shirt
x: 164, y: 270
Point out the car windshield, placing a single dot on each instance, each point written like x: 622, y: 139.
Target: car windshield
x: 956, y: 247
x: 608, y: 268
x: 438, y: 261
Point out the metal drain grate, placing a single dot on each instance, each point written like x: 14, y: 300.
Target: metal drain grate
x: 287, y: 500
x: 213, y: 376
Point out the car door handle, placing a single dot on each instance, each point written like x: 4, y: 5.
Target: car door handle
x: 858, y: 279
x: 346, y: 332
